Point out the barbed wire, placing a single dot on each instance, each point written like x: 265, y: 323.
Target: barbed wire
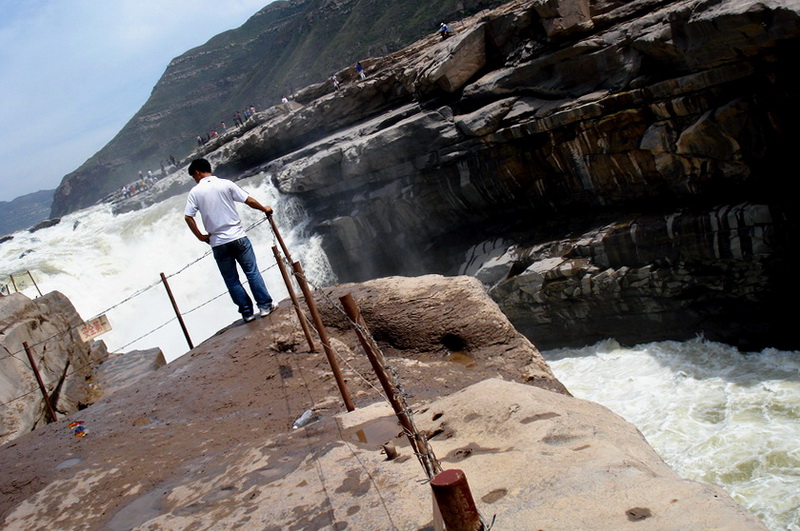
x: 425, y: 455
x: 423, y: 451
x: 73, y: 368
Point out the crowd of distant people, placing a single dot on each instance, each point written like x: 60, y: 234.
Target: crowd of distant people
x: 144, y: 182
x: 146, y: 179
x: 239, y: 118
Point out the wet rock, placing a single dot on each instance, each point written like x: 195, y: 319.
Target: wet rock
x: 45, y: 224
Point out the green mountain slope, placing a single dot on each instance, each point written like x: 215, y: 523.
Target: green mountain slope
x: 282, y: 48
x: 25, y: 211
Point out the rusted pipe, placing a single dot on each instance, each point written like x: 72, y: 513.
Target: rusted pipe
x: 323, y: 335
x: 177, y: 311
x: 451, y: 490
x: 295, y: 302
x: 280, y: 239
x: 42, y: 388
x: 418, y: 441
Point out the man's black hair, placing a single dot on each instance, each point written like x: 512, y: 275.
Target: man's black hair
x: 201, y: 165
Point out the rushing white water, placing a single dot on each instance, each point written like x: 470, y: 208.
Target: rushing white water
x: 714, y: 414
x: 112, y: 264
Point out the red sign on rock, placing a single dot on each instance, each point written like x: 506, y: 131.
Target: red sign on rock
x: 94, y: 327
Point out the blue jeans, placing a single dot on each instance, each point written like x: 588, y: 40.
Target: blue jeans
x: 227, y: 255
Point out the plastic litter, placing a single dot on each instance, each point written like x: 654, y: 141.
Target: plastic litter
x: 78, y: 429
x: 305, y: 418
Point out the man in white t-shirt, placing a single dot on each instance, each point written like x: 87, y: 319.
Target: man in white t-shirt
x: 215, y: 199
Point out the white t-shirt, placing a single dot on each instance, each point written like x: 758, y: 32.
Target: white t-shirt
x: 215, y: 199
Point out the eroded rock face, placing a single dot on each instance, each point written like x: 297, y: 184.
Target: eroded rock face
x: 670, y: 122
x: 64, y: 362
x: 538, y: 122
x: 650, y: 277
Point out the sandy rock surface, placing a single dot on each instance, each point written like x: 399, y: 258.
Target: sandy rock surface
x: 206, y: 442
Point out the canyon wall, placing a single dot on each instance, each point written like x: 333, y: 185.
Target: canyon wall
x: 284, y: 46
x: 608, y: 169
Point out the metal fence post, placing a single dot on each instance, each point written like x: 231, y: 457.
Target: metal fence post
x: 42, y: 388
x: 455, y: 501
x: 288, y: 281
x: 323, y: 335
x: 177, y: 311
x: 34, y: 283
x: 418, y: 441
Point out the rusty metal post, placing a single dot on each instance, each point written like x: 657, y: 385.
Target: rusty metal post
x: 323, y: 335
x: 34, y: 283
x: 295, y: 302
x: 418, y: 441
x: 177, y: 311
x: 42, y: 388
x: 451, y: 490
x: 280, y: 239
x: 16, y: 290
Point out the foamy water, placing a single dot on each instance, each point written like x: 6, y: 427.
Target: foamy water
x: 112, y: 264
x: 714, y: 414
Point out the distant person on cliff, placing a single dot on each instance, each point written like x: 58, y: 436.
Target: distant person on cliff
x: 360, y: 70
x: 216, y: 200
x: 444, y: 31
x: 335, y: 81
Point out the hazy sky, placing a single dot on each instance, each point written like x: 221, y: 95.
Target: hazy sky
x: 73, y: 72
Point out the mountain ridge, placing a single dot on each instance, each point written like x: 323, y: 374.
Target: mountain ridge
x: 25, y: 211
x: 283, y: 47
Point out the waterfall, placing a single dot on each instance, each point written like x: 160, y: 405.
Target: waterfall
x: 111, y: 265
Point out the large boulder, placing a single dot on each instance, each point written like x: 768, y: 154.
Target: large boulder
x: 64, y: 362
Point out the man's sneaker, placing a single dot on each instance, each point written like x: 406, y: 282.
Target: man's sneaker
x: 249, y: 318
x: 266, y: 310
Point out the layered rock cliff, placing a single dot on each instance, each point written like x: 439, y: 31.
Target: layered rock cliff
x: 608, y: 169
x: 285, y: 46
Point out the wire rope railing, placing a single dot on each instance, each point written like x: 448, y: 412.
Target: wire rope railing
x: 70, y: 330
